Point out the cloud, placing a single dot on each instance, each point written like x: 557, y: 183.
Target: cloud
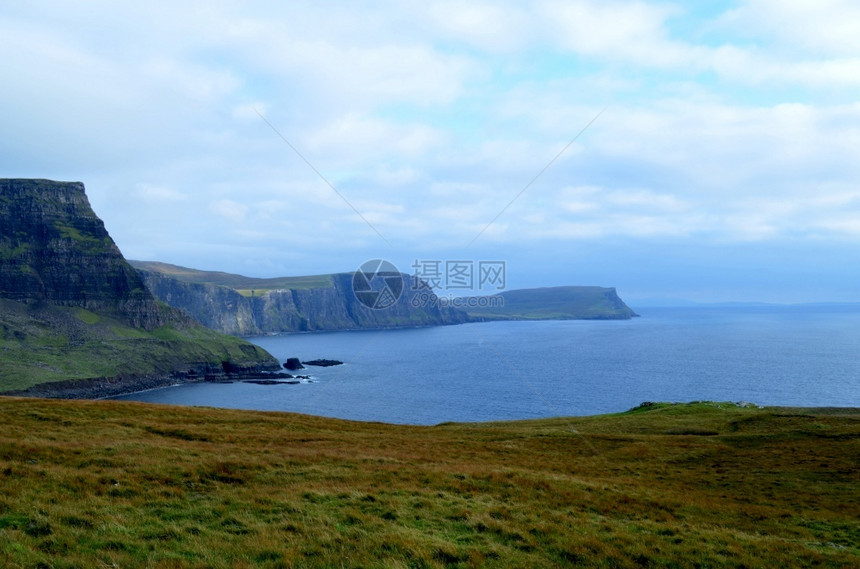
x: 229, y: 210
x: 159, y: 194
x: 633, y: 32
x: 725, y: 126
x: 824, y: 27
x: 490, y: 27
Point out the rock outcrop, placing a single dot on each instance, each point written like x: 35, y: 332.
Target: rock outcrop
x: 53, y: 248
x: 76, y: 318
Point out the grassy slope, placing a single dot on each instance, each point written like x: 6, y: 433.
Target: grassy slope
x: 238, y: 282
x: 554, y: 303
x: 111, y: 484
x: 59, y: 343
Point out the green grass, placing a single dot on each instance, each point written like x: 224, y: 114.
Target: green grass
x: 54, y: 343
x: 556, y: 303
x: 86, y: 243
x: 242, y: 284
x: 115, y: 484
x: 86, y: 316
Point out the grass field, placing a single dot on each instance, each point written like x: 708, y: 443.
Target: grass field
x: 116, y: 484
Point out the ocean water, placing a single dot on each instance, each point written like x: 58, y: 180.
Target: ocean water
x: 805, y: 355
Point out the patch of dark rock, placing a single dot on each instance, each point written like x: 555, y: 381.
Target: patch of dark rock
x: 293, y: 364
x: 324, y: 363
x: 256, y: 375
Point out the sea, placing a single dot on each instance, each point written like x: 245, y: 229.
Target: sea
x: 804, y: 355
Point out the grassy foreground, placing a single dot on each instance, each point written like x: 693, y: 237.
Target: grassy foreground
x: 116, y: 484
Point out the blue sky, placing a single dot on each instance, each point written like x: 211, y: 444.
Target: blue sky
x: 725, y: 164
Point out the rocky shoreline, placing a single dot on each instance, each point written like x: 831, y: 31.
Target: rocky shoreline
x: 104, y: 387
x: 227, y: 372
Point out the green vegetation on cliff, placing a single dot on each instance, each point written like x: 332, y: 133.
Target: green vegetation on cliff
x: 240, y: 283
x: 72, y: 308
x: 555, y: 303
x: 116, y: 484
x: 51, y: 343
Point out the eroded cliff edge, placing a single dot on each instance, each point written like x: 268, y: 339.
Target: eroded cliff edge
x: 77, y: 320
x: 247, y: 306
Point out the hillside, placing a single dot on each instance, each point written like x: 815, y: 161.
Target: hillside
x: 245, y: 306
x: 556, y: 303
x: 115, y: 484
x: 72, y: 308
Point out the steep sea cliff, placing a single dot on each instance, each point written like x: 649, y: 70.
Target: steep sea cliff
x: 328, y: 303
x: 77, y: 320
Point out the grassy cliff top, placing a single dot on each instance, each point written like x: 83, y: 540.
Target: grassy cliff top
x: 116, y: 484
x: 561, y: 302
x: 238, y: 282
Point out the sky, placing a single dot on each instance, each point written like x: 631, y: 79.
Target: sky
x: 706, y: 150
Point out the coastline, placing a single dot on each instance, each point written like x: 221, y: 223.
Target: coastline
x: 107, y: 387
x: 102, y: 387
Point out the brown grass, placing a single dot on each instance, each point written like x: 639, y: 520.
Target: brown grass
x: 115, y: 484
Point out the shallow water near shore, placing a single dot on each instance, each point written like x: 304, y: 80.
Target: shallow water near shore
x: 768, y: 355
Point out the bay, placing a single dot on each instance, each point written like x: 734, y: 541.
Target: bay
x: 768, y: 355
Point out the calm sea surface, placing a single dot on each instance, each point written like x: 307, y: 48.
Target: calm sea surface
x: 518, y: 370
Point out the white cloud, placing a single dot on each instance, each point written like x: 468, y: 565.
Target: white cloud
x: 828, y: 27
x: 618, y: 30
x: 753, y: 67
x: 159, y: 194
x: 490, y: 27
x: 362, y: 140
x: 229, y: 210
x: 647, y: 200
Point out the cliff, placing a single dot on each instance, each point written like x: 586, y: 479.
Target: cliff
x: 552, y: 303
x: 53, y: 248
x: 73, y: 309
x: 248, y: 306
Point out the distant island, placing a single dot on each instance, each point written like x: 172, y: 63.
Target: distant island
x: 245, y: 306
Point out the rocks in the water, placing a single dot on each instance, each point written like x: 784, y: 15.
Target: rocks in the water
x: 324, y: 363
x: 272, y: 381
x: 277, y: 376
x: 293, y: 364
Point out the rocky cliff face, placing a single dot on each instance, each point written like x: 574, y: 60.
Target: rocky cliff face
x: 76, y: 318
x: 53, y: 248
x: 332, y: 307
x: 216, y: 307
